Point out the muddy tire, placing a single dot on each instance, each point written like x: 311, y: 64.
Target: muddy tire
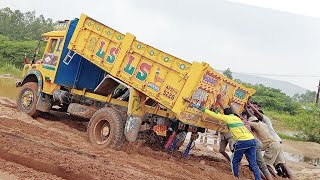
x: 106, y: 129
x: 27, y: 99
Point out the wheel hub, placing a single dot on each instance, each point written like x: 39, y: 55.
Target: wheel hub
x: 27, y: 99
x: 105, y: 131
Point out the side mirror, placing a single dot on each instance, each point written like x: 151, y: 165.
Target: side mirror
x: 36, y: 52
x: 25, y: 59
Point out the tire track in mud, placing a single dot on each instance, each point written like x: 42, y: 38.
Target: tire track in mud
x: 38, y: 165
x: 58, y: 145
x: 30, y: 161
x: 65, y: 163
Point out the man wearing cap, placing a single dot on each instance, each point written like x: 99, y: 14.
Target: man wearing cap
x: 245, y: 142
x: 272, y: 147
x: 260, y: 161
x: 280, y: 162
x: 259, y: 114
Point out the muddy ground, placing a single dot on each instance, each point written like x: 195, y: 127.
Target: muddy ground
x: 55, y: 146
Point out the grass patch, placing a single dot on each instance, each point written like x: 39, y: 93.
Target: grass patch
x: 305, y: 125
x: 293, y: 138
x: 283, y: 120
x: 7, y: 68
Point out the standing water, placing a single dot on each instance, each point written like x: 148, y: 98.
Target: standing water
x: 301, y: 158
x: 8, y: 88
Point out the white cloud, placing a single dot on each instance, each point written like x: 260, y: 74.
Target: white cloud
x: 301, y: 7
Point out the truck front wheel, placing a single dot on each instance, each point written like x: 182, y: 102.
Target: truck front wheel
x: 27, y: 99
x: 105, y: 128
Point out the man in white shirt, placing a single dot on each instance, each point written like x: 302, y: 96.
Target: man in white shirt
x: 280, y: 163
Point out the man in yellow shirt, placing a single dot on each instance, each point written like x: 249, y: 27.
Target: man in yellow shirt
x: 245, y: 142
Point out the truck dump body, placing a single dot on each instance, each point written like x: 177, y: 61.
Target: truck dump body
x: 159, y: 75
x: 78, y: 73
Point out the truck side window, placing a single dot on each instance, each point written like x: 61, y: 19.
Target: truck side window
x: 52, y: 46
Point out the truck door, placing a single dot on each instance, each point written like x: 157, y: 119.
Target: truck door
x: 52, y: 53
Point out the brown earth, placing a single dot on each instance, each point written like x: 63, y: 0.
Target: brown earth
x: 55, y: 146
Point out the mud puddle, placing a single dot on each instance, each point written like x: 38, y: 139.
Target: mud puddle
x: 302, y: 158
x: 8, y: 87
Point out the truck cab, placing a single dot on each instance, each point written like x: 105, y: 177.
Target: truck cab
x: 43, y: 71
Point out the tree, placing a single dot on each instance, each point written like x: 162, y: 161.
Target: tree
x: 308, y: 124
x: 227, y: 73
x: 23, y: 26
x: 274, y: 99
x: 308, y: 97
x: 18, y: 34
x: 13, y: 52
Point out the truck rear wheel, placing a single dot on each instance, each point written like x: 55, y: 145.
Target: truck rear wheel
x: 106, y: 128
x: 27, y: 99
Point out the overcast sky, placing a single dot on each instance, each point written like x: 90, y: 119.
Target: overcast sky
x: 252, y: 36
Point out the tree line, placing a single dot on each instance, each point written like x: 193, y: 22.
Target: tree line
x: 19, y: 33
x: 20, y: 26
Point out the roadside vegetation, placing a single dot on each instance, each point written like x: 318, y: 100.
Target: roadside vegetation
x: 297, y: 114
x: 7, y: 68
x: 19, y: 33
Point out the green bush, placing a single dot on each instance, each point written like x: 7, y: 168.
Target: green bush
x: 306, y: 123
x: 13, y: 52
x: 19, y: 33
x: 293, y: 138
x: 21, y: 26
x: 274, y: 99
x: 7, y: 68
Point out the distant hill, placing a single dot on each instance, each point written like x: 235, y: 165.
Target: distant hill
x: 286, y: 87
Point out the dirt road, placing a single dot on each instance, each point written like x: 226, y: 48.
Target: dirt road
x: 55, y: 146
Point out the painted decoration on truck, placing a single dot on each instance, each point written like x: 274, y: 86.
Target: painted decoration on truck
x: 240, y: 94
x: 138, y: 47
x: 224, y: 93
x: 166, y: 59
x: 92, y: 43
x: 100, y: 52
x: 209, y: 78
x: 39, y: 78
x: 200, y: 96
x: 112, y: 55
x: 157, y: 80
x: 182, y: 66
x: 143, y: 69
x: 67, y: 59
x: 206, y: 87
x: 143, y: 72
x: 50, y: 61
x: 153, y: 86
x: 190, y: 117
x: 170, y: 92
x: 129, y: 68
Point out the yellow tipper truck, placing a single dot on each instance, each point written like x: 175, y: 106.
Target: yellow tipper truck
x: 122, y: 85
